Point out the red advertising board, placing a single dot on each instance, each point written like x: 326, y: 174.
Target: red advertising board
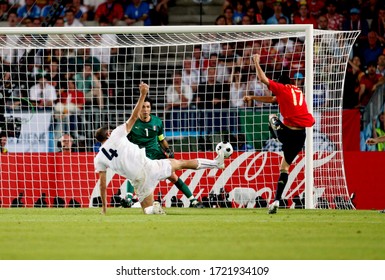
x: 73, y: 177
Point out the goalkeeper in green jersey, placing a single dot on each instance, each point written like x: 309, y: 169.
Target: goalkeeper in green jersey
x: 147, y: 133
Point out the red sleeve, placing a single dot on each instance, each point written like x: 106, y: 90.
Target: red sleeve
x: 276, y: 88
x: 100, y: 10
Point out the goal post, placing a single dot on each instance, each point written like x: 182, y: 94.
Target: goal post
x: 106, y: 64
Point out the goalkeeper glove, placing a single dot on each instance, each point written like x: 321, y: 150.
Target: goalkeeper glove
x: 169, y: 153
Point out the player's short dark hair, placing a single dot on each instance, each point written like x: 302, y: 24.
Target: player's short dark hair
x: 148, y: 99
x: 284, y: 79
x: 101, y: 134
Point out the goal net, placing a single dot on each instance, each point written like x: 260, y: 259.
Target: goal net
x: 59, y: 85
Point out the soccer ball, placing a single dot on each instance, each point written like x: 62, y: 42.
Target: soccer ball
x: 226, y: 148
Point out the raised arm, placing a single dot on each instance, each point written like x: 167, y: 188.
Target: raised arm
x: 260, y: 74
x: 373, y: 141
x: 103, y: 190
x: 143, y: 88
x: 264, y: 99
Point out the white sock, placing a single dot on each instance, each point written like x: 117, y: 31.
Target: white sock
x: 149, y: 210
x: 204, y: 163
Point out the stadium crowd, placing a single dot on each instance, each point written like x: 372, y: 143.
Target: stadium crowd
x: 219, y: 74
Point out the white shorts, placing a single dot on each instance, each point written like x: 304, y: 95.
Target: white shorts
x: 153, y: 172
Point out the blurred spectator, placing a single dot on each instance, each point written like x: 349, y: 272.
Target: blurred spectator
x: 378, y: 24
x: 178, y: 95
x: 246, y: 20
x: 228, y: 55
x: 228, y: 3
x: 210, y: 48
x: 370, y: 48
x: 299, y: 80
x: 241, y: 143
x: 3, y: 143
x: 250, y: 12
x: 29, y: 10
x: 12, y: 18
x: 190, y: 76
x: 369, y: 83
x: 283, y: 20
x: 266, y: 50
x: 378, y: 130
x: 255, y: 88
x: 27, y: 22
x: 10, y: 89
x: 323, y: 23
x: 36, y: 22
x: 238, y: 85
x: 284, y: 45
x: 7, y: 53
x: 4, y: 8
x: 87, y: 82
x: 66, y: 143
x: 43, y: 94
x: 229, y: 13
x: 277, y: 14
x: 262, y: 12
x: 104, y: 53
x: 158, y: 12
x: 353, y: 77
x: 355, y: 22
x: 381, y: 65
x: 137, y: 13
x: 198, y: 62
x: 220, y: 20
x: 40, y: 3
x: 53, y: 75
x: 221, y: 69
x: 46, y: 9
x: 80, y: 10
x: 245, y: 61
x: 315, y: 7
x: 303, y: 16
x: 29, y: 60
x: 71, y: 103
x: 60, y: 40
x: 238, y: 12
x: 111, y: 11
x: 71, y: 20
x: 91, y: 7
x: 319, y: 95
x: 290, y: 8
x: 84, y: 56
x: 212, y: 94
x: 335, y: 20
x: 370, y: 8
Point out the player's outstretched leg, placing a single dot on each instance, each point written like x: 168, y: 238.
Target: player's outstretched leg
x: 200, y: 163
x: 218, y: 162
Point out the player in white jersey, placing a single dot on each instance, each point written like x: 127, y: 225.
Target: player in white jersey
x: 129, y: 161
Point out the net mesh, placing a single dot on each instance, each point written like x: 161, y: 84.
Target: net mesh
x: 44, y: 70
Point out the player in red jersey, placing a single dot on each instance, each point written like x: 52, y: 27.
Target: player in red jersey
x: 291, y: 131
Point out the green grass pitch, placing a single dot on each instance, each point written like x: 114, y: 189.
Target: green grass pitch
x: 186, y: 233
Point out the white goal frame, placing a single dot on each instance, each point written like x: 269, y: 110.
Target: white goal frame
x: 307, y: 30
